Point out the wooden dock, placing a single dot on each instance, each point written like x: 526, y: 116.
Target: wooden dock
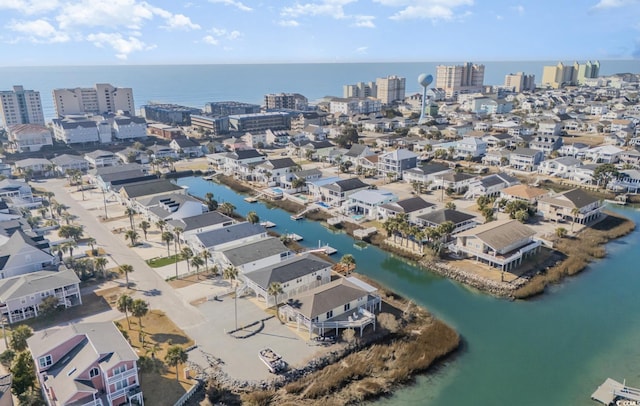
x: 611, y: 390
x: 365, y: 232
x: 295, y: 237
x: 334, y: 221
x: 250, y: 199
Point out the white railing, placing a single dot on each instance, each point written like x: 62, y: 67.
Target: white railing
x: 126, y: 374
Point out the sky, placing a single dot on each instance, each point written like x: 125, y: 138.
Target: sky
x: 135, y: 32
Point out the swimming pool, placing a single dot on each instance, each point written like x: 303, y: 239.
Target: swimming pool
x: 277, y: 190
x: 357, y: 217
x: 323, y: 204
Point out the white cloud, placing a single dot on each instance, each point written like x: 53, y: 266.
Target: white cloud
x: 602, y: 4
x: 288, y: 23
x: 364, y: 21
x: 180, y: 22
x: 108, y: 13
x: 499, y: 17
x: 329, y: 8
x: 237, y: 4
x: 209, y: 39
x: 362, y: 50
x: 123, y: 46
x: 29, y: 6
x: 518, y: 9
x: 39, y: 31
x: 218, y: 34
x: 426, y: 9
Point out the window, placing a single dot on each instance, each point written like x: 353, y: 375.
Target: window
x: 120, y: 369
x: 347, y: 306
x: 122, y: 384
x: 93, y: 372
x: 329, y: 314
x: 45, y: 361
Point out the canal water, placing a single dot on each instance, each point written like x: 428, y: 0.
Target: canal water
x: 554, y: 350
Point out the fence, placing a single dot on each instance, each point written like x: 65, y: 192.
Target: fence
x: 185, y: 398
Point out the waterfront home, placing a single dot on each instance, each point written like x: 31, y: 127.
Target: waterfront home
x: 525, y: 159
x: 21, y: 295
x: 490, y: 185
x: 316, y: 150
x: 295, y: 275
x: 335, y: 191
x: 631, y: 156
x: 112, y: 177
x: 412, y: 207
x: 427, y: 173
x: 502, y: 244
x: 101, y: 158
x: 495, y: 140
x: 22, y: 254
x: 160, y: 152
x: 184, y: 146
x: 461, y: 220
x: 240, y: 162
x: 131, y: 155
x: 473, y: 147
x: 199, y: 223
x: 574, y: 205
x: 17, y: 193
x: 86, y: 364
x: 357, y: 151
x: 604, y: 154
x: 170, y: 206
x: 131, y: 192
x: 29, y: 137
x: 562, y: 167
x: 393, y: 164
x: 37, y: 166
x: 584, y: 174
x: 546, y: 143
x: 498, y: 157
x: 457, y: 182
x: 523, y: 193
x: 342, y: 303
x: 628, y: 181
x: 365, y: 203
x: 275, y: 172
x: 221, y: 238
x: 258, y: 254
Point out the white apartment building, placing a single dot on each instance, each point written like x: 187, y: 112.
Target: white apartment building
x: 390, y: 89
x: 460, y: 79
x: 19, y: 106
x: 103, y: 98
x: 74, y: 130
x: 129, y: 128
x: 355, y: 106
x: 29, y: 137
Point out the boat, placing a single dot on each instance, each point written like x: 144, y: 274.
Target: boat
x: 267, y: 224
x: 297, y: 216
x: 294, y: 237
x: 272, y: 360
x: 250, y: 199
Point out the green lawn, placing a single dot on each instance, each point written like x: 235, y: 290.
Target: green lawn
x: 158, y: 262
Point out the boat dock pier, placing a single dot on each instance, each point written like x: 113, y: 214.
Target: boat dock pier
x: 365, y: 232
x: 610, y: 390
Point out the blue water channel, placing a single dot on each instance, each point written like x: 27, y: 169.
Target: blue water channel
x: 554, y: 350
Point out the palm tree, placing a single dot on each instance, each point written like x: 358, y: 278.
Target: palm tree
x: 231, y: 273
x: 124, y: 305
x: 126, y: 269
x: 227, y: 208
x: 91, y: 242
x: 450, y: 206
x: 101, y: 264
x: 197, y: 262
x: 144, y: 226
x: 161, y: 225
x: 177, y: 231
x: 176, y: 355
x: 274, y: 289
x: 167, y: 237
x: 206, y: 256
x: 70, y: 246
x: 186, y: 253
x: 348, y: 261
x: 574, y: 213
x: 132, y: 236
x: 252, y: 217
x: 129, y: 211
x: 139, y: 309
x: 211, y: 203
x: 446, y: 229
x: 66, y: 216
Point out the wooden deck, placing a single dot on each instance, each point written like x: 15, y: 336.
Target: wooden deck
x: 611, y: 390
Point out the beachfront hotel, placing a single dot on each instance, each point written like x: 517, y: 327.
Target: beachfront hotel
x: 20, y: 106
x: 102, y: 98
x: 460, y: 79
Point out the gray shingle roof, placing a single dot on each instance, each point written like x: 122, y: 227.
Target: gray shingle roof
x: 288, y: 270
x: 327, y: 297
x: 35, y: 282
x: 408, y: 205
x: 346, y: 185
x: 200, y: 221
x: 442, y: 215
x: 500, y: 234
x: 228, y: 234
x: 255, y: 251
x: 149, y: 187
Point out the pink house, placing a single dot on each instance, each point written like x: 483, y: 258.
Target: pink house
x: 88, y: 364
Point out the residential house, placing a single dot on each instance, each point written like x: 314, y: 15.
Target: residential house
x: 365, y: 203
x: 427, y: 173
x: 628, y: 181
x: 525, y: 159
x: 461, y: 220
x: 574, y: 205
x: 221, y: 238
x: 113, y: 177
x: 490, y: 185
x: 584, y: 174
x: 576, y: 150
x: 240, y: 162
x: 65, y: 163
x: 131, y: 192
x: 495, y: 140
x: 186, y: 147
x: 17, y: 193
x: 86, y: 364
x: 605, y: 154
x: 21, y: 254
x: 502, y: 244
x: 295, y: 275
x: 37, y: 166
x: 254, y: 255
x: 277, y: 137
x: 133, y: 155
x: 100, y: 158
x: 357, y: 151
x: 342, y: 303
x: 473, y: 147
x: 393, y: 164
x: 562, y: 167
x: 317, y: 150
x: 547, y: 128
x: 308, y: 175
x: 200, y: 223
x: 22, y: 295
x: 170, y: 206
x: 275, y: 172
x: 525, y: 193
x: 458, y: 182
x: 255, y: 139
x: 412, y: 207
x: 546, y: 143
x: 335, y: 191
x: 129, y: 128
x: 160, y: 152
x: 499, y: 157
x: 631, y: 156
x: 29, y: 137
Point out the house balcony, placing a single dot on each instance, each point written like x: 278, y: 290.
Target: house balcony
x: 133, y: 394
x: 126, y: 374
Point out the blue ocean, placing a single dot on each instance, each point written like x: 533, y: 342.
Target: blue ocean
x: 195, y: 85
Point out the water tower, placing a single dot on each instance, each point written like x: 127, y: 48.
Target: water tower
x: 424, y: 80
